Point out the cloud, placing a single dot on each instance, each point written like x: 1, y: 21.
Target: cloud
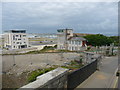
x: 60, y: 0
x: 88, y: 17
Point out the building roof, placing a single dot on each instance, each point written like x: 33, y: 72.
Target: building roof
x: 16, y: 31
x: 77, y: 38
x: 81, y: 34
x: 61, y: 30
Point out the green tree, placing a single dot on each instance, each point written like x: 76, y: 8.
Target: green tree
x: 115, y: 39
x: 98, y: 40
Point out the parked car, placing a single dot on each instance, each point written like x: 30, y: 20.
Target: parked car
x: 118, y: 73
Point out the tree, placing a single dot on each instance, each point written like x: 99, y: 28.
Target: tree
x: 98, y: 40
x: 115, y: 39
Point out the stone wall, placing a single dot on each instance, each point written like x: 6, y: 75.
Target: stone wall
x: 29, y: 62
x: 63, y: 78
x: 54, y: 79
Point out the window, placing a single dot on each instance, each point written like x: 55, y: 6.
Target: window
x: 16, y: 35
x: 72, y: 48
x: 13, y: 37
x: 19, y: 39
x: 24, y: 35
x: 17, y: 42
x: 76, y: 42
x: 79, y: 42
x: 72, y: 42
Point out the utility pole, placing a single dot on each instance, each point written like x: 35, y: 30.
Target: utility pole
x: 14, y: 60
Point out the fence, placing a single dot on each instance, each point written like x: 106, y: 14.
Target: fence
x: 77, y: 77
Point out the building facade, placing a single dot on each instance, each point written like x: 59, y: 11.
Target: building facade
x: 67, y: 41
x: 15, y: 39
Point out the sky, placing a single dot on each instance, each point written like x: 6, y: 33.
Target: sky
x: 47, y: 17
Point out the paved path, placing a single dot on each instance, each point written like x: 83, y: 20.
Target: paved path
x: 105, y: 78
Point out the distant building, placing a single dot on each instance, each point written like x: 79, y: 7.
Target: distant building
x: 42, y: 35
x: 15, y: 39
x: 67, y: 40
x: 1, y: 40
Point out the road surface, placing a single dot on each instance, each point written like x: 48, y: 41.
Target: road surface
x: 106, y: 77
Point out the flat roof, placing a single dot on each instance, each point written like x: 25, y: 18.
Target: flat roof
x: 16, y: 31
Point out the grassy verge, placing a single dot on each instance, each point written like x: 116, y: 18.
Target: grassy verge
x: 33, y: 75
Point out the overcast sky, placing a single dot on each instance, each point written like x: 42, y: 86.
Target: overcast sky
x: 47, y: 17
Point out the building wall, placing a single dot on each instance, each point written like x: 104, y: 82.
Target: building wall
x: 74, y: 45
x: 63, y: 37
x: 64, y: 42
x: 16, y: 40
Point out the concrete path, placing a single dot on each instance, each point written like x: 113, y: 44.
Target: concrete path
x: 105, y: 78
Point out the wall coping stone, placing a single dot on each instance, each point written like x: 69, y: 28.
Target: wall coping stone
x: 43, y: 79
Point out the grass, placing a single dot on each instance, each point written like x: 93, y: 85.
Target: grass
x: 73, y: 65
x: 33, y: 75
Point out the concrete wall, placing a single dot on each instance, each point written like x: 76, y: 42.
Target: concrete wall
x: 54, y: 79
x: 61, y: 78
x: 30, y: 62
x: 16, y: 51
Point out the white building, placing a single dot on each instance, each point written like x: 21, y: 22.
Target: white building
x: 67, y: 41
x: 15, y: 39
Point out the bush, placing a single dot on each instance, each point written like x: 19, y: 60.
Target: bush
x: 88, y: 48
x: 48, y: 47
x: 55, y: 46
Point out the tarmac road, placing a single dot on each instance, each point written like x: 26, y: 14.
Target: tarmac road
x: 106, y: 77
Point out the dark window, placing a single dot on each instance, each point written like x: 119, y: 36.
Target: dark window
x: 13, y: 37
x: 24, y: 35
